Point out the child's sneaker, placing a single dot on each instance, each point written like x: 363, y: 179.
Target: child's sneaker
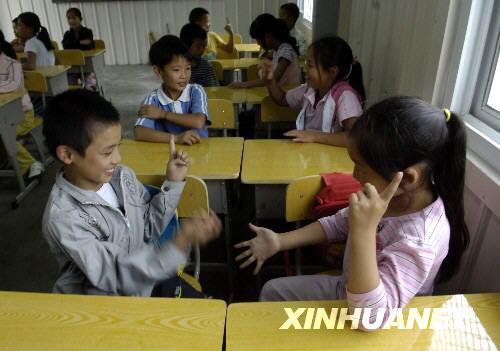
x: 36, y: 169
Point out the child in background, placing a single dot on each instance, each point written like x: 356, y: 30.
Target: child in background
x: 201, y: 17
x: 100, y: 222
x: 17, y: 43
x: 38, y: 48
x: 290, y: 13
x: 177, y: 109
x: 272, y: 34
x: 195, y: 39
x: 332, y: 97
x: 79, y: 37
x: 12, y: 79
x: 404, y: 231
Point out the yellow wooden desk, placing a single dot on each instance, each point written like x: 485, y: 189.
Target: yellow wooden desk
x: 237, y: 96
x: 236, y: 69
x: 271, y: 164
x: 74, y: 322
x: 251, y: 326
x: 246, y: 50
x: 256, y: 95
x: 21, y: 56
x: 57, y: 80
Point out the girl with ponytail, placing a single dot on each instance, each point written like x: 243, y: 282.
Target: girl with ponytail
x: 38, y: 47
x: 405, y: 230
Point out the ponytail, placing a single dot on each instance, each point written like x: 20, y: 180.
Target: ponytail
x: 356, y: 79
x: 449, y: 179
x: 44, y: 37
x: 31, y: 20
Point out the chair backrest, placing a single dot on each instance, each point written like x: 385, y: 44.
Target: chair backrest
x: 253, y: 72
x: 69, y: 57
x: 222, y: 54
x: 152, y: 38
x: 55, y: 45
x: 237, y: 38
x: 270, y: 112
x: 300, y: 197
x: 35, y: 82
x: 221, y: 114
x: 219, y: 72
x: 99, y: 44
x: 194, y: 198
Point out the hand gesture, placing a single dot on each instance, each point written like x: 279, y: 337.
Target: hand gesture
x: 264, y: 245
x: 301, y: 136
x: 177, y: 165
x: 152, y: 112
x: 265, y: 70
x: 228, y: 28
x: 199, y: 229
x: 367, y: 207
x: 189, y: 137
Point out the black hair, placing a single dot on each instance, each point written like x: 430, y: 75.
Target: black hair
x: 71, y: 117
x: 196, y: 14
x: 165, y: 49
x: 291, y: 9
x: 334, y: 51
x: 75, y: 11
x: 400, y: 132
x: 268, y: 24
x: 190, y: 32
x: 6, y: 48
x: 15, y: 20
x: 31, y: 20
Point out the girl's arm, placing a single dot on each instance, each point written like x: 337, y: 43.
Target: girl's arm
x: 334, y: 139
x: 30, y: 64
x: 280, y: 69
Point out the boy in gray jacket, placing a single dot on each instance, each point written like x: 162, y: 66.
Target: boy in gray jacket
x: 100, y: 221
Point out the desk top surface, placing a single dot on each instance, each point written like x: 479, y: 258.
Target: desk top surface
x: 251, y: 324
x: 250, y: 47
x: 5, y: 98
x: 242, y: 63
x: 67, y: 322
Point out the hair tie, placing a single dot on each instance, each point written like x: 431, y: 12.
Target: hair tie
x: 447, y: 115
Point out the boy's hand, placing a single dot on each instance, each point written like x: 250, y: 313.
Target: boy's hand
x: 199, y: 229
x: 367, y: 207
x: 264, y: 245
x: 177, y: 165
x: 189, y: 137
x: 152, y: 112
x: 301, y: 136
x: 228, y: 28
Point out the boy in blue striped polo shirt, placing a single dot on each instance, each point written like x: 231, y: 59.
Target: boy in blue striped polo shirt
x: 177, y: 109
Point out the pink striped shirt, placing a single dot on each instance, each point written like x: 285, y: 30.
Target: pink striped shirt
x: 410, y: 250
x: 12, y: 79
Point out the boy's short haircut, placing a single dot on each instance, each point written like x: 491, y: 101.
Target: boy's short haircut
x: 196, y: 14
x: 190, y: 32
x: 292, y: 10
x: 71, y: 117
x: 165, y: 49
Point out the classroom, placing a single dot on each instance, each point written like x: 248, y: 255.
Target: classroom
x: 249, y: 174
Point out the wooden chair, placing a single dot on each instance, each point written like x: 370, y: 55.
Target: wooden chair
x: 253, y: 72
x: 272, y: 113
x: 36, y: 82
x: 219, y: 72
x: 99, y: 44
x: 222, y: 54
x: 72, y: 57
x: 221, y: 114
x: 55, y: 45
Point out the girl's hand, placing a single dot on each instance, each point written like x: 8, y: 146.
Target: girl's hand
x: 237, y: 85
x: 199, y: 229
x: 152, y: 112
x: 265, y: 70
x: 177, y: 165
x: 264, y: 245
x: 367, y: 207
x: 189, y: 137
x: 301, y: 136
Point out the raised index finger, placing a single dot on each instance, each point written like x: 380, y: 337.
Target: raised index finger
x: 172, y: 146
x: 391, y: 189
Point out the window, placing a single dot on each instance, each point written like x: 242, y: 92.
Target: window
x: 494, y: 95
x: 306, y: 8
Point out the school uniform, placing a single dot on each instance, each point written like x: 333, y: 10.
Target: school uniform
x: 72, y: 38
x: 102, y: 249
x: 44, y: 57
x: 192, y: 100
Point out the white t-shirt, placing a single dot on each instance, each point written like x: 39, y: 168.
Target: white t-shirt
x: 108, y: 194
x: 44, y: 57
x: 292, y: 74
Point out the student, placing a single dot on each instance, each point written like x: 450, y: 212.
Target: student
x: 272, y: 34
x: 38, y: 48
x: 332, y: 97
x: 12, y: 79
x: 404, y: 230
x: 177, y: 109
x: 201, y: 17
x: 17, y: 43
x: 290, y: 13
x: 100, y: 221
x: 195, y: 39
x: 78, y: 36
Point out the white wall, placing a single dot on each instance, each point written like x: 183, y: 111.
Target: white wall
x: 124, y: 25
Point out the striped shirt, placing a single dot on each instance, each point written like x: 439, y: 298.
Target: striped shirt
x: 410, y: 250
x: 292, y: 74
x: 192, y: 100
x: 203, y: 74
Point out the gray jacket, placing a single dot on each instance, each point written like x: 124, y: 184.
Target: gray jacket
x: 102, y: 251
